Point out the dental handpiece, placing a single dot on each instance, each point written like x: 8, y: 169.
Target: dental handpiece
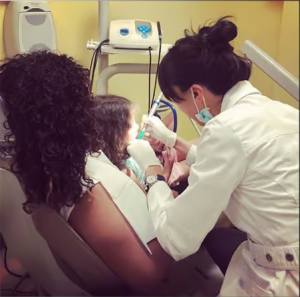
x: 154, y: 107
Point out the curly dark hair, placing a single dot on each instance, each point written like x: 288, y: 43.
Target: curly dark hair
x: 113, y: 115
x: 49, y: 108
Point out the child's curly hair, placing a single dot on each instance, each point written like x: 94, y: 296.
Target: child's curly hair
x: 113, y: 121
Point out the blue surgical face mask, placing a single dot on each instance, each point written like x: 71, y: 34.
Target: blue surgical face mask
x: 203, y: 115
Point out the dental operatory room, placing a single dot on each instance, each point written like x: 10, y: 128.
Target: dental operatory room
x: 149, y: 148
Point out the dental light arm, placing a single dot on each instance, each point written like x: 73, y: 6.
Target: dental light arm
x: 275, y: 71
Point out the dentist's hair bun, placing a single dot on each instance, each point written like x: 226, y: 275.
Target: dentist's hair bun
x: 216, y: 36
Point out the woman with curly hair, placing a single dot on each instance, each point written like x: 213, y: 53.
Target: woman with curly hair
x: 49, y: 109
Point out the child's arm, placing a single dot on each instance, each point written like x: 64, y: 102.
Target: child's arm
x: 169, y: 159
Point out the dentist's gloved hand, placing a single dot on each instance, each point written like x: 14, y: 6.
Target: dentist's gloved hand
x: 141, y: 151
x: 156, y: 129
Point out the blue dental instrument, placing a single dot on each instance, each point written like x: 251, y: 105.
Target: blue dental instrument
x: 154, y: 107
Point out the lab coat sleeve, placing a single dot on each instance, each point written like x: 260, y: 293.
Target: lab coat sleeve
x: 181, y: 224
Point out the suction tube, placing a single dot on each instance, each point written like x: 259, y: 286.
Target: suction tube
x: 174, y: 113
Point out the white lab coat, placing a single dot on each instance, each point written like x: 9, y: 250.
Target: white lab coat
x: 247, y: 164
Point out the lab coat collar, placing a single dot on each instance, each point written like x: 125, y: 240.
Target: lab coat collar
x: 239, y: 91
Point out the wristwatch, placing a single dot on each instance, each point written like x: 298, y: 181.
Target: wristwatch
x: 151, y: 179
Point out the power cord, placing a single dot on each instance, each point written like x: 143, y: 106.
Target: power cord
x: 149, y: 80
x: 158, y: 61
x: 94, y: 59
x: 16, y: 292
x: 6, y: 266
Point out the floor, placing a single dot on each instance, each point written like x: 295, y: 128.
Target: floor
x: 195, y: 276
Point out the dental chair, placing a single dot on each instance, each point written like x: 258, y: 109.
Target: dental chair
x: 58, y: 259
x: 26, y: 245
x: 75, y: 257
x: 50, y: 251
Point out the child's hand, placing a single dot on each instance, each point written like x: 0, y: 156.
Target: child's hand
x: 161, y: 159
x: 169, y: 159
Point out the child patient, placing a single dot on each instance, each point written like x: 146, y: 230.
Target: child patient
x: 115, y: 118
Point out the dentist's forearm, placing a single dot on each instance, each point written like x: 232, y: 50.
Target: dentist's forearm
x: 186, y: 150
x: 168, y: 120
x: 182, y: 148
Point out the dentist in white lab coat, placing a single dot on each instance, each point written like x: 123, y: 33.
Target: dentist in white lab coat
x: 247, y: 165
